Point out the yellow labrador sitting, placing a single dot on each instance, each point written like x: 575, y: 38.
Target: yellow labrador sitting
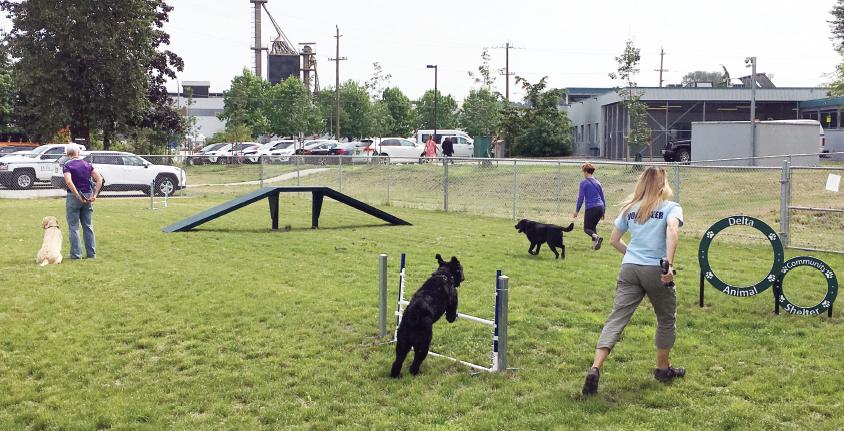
x: 51, y: 249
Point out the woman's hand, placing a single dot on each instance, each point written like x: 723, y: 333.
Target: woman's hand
x: 668, y: 278
x: 574, y: 215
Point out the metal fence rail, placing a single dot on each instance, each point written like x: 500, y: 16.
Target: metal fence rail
x: 794, y: 197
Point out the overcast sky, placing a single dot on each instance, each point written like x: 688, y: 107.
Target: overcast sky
x: 572, y: 42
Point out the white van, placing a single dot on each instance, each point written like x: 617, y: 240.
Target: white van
x: 464, y: 145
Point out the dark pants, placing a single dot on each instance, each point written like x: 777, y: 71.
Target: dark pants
x: 591, y: 219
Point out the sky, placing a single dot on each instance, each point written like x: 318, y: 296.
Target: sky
x: 574, y: 43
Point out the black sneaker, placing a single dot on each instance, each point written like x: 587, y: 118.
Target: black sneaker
x: 598, y: 242
x: 668, y: 374
x: 590, y: 386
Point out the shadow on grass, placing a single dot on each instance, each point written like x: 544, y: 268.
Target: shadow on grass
x: 295, y: 229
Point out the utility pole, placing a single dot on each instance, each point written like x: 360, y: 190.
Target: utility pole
x: 661, y: 68
x: 506, y: 47
x: 436, y: 96
x: 337, y: 61
x: 751, y: 63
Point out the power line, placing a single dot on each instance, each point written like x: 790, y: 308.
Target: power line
x: 661, y: 68
x: 507, y: 47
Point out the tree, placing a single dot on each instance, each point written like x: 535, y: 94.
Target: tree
x: 836, y: 86
x: 543, y: 130
x: 8, y: 93
x: 481, y: 114
x: 402, y: 119
x: 717, y: 79
x: 381, y: 120
x: 325, y: 102
x: 245, y: 102
x: 484, y: 77
x: 91, y: 65
x: 638, y: 134
x: 289, y: 109
x: 378, y: 83
x: 355, y: 111
x: 446, y: 111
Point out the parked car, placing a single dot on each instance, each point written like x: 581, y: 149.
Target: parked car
x: 678, y: 151
x: 309, y: 145
x: 273, y: 151
x: 229, y: 153
x: 398, y: 150
x: 15, y: 149
x: 200, y: 157
x: 124, y: 171
x: 22, y: 171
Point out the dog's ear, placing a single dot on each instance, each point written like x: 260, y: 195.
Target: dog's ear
x: 440, y: 259
x: 45, y: 222
x: 454, y: 259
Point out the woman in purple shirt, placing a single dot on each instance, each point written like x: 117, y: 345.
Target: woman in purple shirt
x: 592, y: 193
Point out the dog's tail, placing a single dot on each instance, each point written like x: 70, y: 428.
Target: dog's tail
x: 569, y: 228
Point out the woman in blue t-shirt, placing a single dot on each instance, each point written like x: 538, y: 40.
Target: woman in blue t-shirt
x: 654, y: 223
x: 592, y: 193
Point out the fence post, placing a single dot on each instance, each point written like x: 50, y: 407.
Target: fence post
x: 340, y: 171
x: 445, y: 185
x: 785, y: 198
x: 387, y: 180
x: 514, y: 189
x: 559, y: 189
x: 382, y: 295
x: 502, y: 302
x: 261, y: 171
x: 677, y: 181
x: 297, y: 170
x: 152, y: 195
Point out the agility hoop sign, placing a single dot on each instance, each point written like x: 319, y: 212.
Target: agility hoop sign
x: 831, y: 286
x: 770, y: 235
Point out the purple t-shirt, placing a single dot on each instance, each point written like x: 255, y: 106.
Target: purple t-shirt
x: 80, y: 174
x: 592, y: 193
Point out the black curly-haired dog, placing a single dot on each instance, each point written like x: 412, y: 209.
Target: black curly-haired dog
x: 437, y: 296
x: 539, y: 233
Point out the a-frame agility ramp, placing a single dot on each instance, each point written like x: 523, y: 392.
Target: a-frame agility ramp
x: 271, y: 194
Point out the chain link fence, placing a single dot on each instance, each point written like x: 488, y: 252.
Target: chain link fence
x: 794, y: 200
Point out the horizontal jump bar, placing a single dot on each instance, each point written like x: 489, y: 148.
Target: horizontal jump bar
x: 829, y: 210
x: 468, y: 364
x: 462, y: 316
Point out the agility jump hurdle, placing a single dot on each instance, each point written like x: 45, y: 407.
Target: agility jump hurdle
x: 499, y: 324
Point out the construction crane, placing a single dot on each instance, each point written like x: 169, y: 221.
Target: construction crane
x: 281, y: 44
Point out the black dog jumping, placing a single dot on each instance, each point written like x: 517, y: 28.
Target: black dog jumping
x: 539, y: 233
x: 437, y: 296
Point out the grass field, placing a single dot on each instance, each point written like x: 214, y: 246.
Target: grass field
x: 236, y: 327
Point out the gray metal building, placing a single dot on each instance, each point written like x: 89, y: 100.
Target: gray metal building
x: 600, y: 120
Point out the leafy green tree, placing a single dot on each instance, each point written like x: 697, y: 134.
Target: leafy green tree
x: 381, y: 120
x: 402, y: 119
x: 8, y: 94
x: 378, y: 83
x: 447, y: 117
x: 718, y: 79
x: 481, y: 113
x: 484, y: 77
x: 355, y: 111
x: 91, y: 65
x: 639, y: 134
x: 836, y: 85
x: 289, y: 109
x: 245, y: 102
x: 545, y: 130
x: 325, y: 102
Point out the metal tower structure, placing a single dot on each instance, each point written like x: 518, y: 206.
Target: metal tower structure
x: 257, y: 48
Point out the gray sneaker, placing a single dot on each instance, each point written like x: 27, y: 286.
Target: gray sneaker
x: 590, y: 386
x: 668, y: 374
x: 598, y: 242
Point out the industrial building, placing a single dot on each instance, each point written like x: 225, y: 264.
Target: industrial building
x: 600, y: 119
x: 196, y: 100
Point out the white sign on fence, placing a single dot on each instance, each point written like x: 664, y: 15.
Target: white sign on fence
x: 833, y: 182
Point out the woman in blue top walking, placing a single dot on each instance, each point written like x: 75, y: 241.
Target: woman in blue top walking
x: 592, y: 193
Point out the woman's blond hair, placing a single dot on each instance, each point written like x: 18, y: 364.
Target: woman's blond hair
x: 651, y: 189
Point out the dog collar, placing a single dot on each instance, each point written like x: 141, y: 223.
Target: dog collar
x: 48, y: 227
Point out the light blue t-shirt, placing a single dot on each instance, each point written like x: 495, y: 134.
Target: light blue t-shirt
x: 647, y: 241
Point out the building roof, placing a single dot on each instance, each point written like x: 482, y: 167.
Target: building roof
x: 733, y: 94
x: 196, y: 83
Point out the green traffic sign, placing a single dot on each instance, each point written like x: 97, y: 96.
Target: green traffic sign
x: 831, y: 284
x: 743, y: 291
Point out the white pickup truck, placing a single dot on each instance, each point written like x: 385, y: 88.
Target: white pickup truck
x: 22, y: 171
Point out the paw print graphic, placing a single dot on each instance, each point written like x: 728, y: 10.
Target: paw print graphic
x: 710, y: 234
x: 772, y: 237
x: 825, y: 304
x: 771, y: 278
x: 829, y: 275
x: 709, y: 275
x: 782, y: 298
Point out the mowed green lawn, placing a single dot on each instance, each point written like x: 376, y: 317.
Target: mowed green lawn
x: 236, y: 327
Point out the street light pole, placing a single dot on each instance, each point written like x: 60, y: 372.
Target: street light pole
x: 751, y: 62
x: 436, y: 96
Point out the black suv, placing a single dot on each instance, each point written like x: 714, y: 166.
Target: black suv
x: 678, y: 151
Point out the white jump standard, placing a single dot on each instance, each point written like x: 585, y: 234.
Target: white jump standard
x: 499, y: 324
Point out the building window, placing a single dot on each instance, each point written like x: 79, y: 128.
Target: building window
x: 810, y: 115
